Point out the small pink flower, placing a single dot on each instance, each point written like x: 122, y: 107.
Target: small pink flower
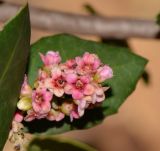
x: 57, y: 82
x: 50, y: 58
x: 31, y: 115
x: 78, y: 86
x: 54, y: 115
x: 78, y: 80
x: 103, y: 73
x: 42, y: 74
x: 26, y: 90
x: 41, y: 99
x: 99, y: 94
x: 69, y: 66
x: 18, y: 117
x: 88, y: 64
x: 83, y: 104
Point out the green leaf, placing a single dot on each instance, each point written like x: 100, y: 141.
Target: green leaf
x: 14, y: 48
x: 57, y: 144
x: 158, y: 19
x: 127, y: 68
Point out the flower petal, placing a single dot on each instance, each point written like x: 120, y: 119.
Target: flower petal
x: 54, y: 115
x: 56, y: 72
x: 45, y: 107
x: 26, y: 90
x: 82, y: 104
x: 81, y: 111
x: 99, y: 91
x: 104, y: 73
x: 77, y: 95
x: 43, y: 58
x: 47, y: 96
x: 100, y: 98
x: 68, y: 89
x: 50, y: 58
x: 89, y: 89
x: 71, y: 78
x: 53, y: 57
x: 48, y: 83
x: 73, y: 115
x: 79, y: 61
x: 30, y: 116
x: 58, y: 92
x: 85, y: 79
x: 36, y: 107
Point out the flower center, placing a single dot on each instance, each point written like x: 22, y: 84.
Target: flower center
x: 74, y: 66
x: 79, y: 84
x: 39, y: 98
x: 60, y: 82
x: 88, y: 67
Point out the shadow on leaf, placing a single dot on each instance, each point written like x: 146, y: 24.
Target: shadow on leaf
x: 40, y: 126
x: 57, y: 144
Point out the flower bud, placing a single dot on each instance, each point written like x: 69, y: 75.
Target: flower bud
x: 24, y: 104
x: 18, y: 117
x: 66, y: 108
x: 50, y: 58
x: 103, y: 73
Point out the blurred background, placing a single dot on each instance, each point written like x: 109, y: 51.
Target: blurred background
x: 137, y: 125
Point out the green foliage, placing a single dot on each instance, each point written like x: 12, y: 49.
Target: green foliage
x: 158, y: 19
x: 14, y: 48
x: 57, y: 144
x: 127, y: 68
x: 90, y: 9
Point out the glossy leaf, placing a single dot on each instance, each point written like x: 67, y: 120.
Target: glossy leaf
x: 14, y: 48
x: 127, y: 68
x: 57, y: 144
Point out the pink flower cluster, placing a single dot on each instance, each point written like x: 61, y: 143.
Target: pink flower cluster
x: 63, y: 89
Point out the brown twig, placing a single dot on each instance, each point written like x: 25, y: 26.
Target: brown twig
x: 118, y: 28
